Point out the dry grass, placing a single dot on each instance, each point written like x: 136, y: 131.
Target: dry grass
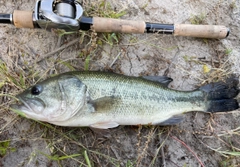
x: 81, y: 146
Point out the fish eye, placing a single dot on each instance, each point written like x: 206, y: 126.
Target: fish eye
x: 36, y: 90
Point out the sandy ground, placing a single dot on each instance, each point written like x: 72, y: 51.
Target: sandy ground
x: 201, y: 138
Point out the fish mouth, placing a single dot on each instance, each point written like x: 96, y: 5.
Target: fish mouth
x: 24, y: 104
x: 19, y: 109
x: 25, y: 108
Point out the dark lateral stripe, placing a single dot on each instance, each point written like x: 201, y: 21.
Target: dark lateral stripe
x: 188, y: 99
x: 191, y: 99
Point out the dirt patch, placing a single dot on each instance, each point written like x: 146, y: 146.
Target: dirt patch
x: 211, y: 140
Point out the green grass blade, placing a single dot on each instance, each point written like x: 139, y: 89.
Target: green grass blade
x: 87, y: 158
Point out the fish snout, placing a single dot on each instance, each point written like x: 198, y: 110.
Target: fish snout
x: 34, y: 105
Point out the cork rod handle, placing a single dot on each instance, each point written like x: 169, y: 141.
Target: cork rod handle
x: 23, y: 19
x: 118, y: 25
x: 201, y: 31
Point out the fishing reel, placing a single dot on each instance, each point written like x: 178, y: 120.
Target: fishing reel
x: 58, y: 14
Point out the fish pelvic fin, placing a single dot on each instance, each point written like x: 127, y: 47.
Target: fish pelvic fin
x: 104, y: 125
x: 219, y: 96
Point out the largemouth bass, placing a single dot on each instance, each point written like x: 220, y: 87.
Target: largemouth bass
x: 106, y: 100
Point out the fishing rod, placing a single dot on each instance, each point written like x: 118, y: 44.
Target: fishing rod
x: 68, y: 15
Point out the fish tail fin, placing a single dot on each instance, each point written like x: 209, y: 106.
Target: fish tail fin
x: 223, y: 105
x: 220, y: 95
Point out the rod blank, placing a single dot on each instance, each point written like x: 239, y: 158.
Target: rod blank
x: 5, y: 18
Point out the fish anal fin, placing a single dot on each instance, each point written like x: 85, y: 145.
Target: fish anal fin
x: 172, y: 121
x: 163, y: 80
x: 104, y: 103
x: 104, y: 125
x: 101, y: 132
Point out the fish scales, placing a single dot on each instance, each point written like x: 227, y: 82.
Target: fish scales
x: 140, y: 97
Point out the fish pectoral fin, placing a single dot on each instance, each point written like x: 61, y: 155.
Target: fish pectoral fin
x: 172, y: 121
x: 104, y: 104
x: 163, y: 80
x: 104, y: 125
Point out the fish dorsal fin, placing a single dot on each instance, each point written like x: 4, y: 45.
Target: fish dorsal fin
x: 104, y: 104
x: 104, y: 125
x: 172, y: 121
x: 163, y: 80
